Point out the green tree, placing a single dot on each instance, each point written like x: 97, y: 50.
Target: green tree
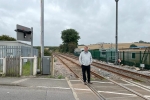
x: 46, y: 52
x: 70, y: 35
x: 133, y: 45
x: 71, y: 47
x: 141, y: 41
x: 63, y: 48
x: 39, y: 50
x: 6, y: 38
x: 70, y: 39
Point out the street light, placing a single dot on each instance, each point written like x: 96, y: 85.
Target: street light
x: 116, y: 59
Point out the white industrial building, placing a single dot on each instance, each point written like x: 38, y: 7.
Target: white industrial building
x: 15, y: 49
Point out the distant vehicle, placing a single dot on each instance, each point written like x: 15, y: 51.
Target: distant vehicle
x: 77, y: 51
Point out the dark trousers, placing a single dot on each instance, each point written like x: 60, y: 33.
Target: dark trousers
x: 84, y: 70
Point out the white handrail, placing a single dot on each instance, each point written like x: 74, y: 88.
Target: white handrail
x: 28, y: 57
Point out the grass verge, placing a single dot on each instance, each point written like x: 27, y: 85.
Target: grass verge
x: 26, y: 69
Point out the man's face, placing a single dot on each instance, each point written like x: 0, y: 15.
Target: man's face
x: 85, y: 49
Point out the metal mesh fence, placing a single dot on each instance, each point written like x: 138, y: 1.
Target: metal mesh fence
x: 131, y: 58
x: 15, y: 51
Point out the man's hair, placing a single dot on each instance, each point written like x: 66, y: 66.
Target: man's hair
x: 86, y: 46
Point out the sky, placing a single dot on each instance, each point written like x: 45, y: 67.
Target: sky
x: 94, y: 20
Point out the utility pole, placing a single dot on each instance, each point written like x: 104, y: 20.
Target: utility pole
x: 116, y: 60
x: 31, y: 66
x: 42, y: 32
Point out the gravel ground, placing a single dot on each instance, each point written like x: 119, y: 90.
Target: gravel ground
x: 109, y: 74
x: 131, y: 68
x: 112, y: 75
x: 101, y: 72
x: 61, y: 70
x: 105, y: 73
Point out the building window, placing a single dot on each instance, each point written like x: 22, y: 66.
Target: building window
x: 103, y: 52
x: 133, y: 55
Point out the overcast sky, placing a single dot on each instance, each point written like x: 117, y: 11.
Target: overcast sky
x: 93, y: 19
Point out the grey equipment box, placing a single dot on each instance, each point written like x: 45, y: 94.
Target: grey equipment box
x: 46, y: 65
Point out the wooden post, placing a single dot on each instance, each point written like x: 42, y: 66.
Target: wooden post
x: 20, y: 66
x: 123, y: 58
x: 52, y: 65
x: 4, y: 66
x: 35, y: 66
x: 149, y: 58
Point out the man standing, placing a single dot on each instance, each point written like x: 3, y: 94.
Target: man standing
x: 85, y: 60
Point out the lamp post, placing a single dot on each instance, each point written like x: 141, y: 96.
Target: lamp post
x: 116, y: 59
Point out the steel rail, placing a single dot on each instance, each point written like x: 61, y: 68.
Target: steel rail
x: 130, y: 90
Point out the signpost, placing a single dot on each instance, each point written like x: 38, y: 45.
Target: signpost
x: 25, y: 34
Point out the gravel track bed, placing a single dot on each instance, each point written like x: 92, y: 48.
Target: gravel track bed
x: 131, y: 68
x: 99, y: 71
x: 61, y: 70
x: 77, y: 69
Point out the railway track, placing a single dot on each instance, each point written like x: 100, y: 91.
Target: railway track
x: 77, y: 71
x: 119, y: 71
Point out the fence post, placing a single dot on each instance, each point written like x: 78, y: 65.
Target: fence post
x: 52, y: 65
x: 20, y: 66
x: 4, y: 66
x: 123, y: 58
x: 149, y: 59
x: 106, y: 57
x: 140, y: 58
x: 111, y: 56
x: 99, y: 56
x: 35, y: 65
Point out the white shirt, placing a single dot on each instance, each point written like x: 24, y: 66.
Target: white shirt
x: 85, y: 58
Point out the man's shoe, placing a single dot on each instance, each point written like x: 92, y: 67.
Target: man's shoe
x: 90, y: 82
x: 85, y: 83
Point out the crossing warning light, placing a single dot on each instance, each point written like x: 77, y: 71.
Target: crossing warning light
x: 23, y: 33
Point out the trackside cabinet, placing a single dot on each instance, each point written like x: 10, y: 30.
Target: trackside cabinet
x: 46, y: 65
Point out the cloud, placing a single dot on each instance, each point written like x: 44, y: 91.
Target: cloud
x: 93, y: 19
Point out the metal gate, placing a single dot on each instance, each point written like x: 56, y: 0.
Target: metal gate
x: 12, y: 66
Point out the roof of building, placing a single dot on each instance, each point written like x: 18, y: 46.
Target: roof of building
x: 120, y: 45
x: 8, y: 42
x: 138, y: 47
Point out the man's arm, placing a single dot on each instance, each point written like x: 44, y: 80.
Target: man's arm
x: 91, y: 59
x: 80, y: 58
